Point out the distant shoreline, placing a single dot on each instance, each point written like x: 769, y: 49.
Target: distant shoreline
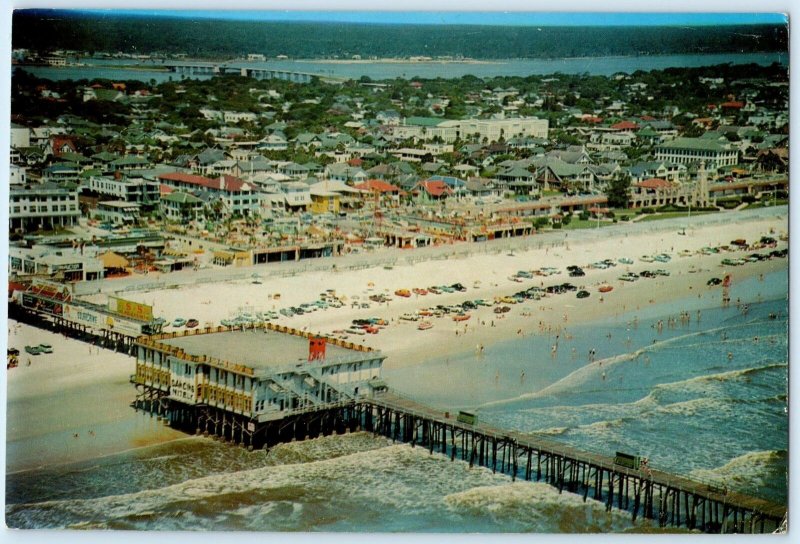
x: 392, y: 61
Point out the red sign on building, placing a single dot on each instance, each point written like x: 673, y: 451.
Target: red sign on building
x: 316, y: 348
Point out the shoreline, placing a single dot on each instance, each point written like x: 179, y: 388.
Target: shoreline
x: 69, y: 374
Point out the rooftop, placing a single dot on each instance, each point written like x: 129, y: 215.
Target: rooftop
x: 260, y: 349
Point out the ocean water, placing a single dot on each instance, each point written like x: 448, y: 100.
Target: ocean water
x: 705, y: 398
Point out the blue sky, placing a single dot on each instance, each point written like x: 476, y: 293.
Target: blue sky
x: 484, y: 18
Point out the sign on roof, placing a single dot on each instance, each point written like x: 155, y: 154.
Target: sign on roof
x: 128, y: 308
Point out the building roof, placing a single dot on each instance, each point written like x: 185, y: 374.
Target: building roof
x: 377, y: 185
x: 113, y: 260
x: 262, y: 351
x: 435, y: 187
x: 625, y: 125
x: 333, y: 186
x: 423, y: 121
x: 222, y: 183
x: 181, y: 197
x: 654, y: 183
x: 699, y: 144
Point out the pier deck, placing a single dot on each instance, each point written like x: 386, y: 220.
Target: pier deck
x: 669, y: 498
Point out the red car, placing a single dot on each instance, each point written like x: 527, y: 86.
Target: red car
x: 192, y: 323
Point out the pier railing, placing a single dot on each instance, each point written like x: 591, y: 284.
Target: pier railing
x: 669, y: 499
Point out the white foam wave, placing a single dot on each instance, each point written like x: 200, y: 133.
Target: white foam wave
x: 393, y: 478
x: 569, y: 381
x: 539, y: 503
x: 749, y: 470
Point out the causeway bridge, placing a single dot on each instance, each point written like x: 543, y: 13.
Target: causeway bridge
x: 192, y: 69
x: 667, y: 499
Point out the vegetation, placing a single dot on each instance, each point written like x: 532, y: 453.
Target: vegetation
x: 56, y: 29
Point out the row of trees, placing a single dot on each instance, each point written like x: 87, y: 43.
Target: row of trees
x: 46, y: 29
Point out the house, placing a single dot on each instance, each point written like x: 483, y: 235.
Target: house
x: 518, y: 180
x: 573, y: 155
x: 323, y: 201
x: 379, y: 186
x: 457, y: 185
x: 429, y: 191
x: 117, y: 212
x: 296, y: 196
x: 388, y: 117
x: 666, y: 170
x: 122, y: 188
x: 344, y: 172
x: 273, y: 142
x: 552, y: 173
x: 17, y: 175
x: 481, y: 187
x: 128, y: 163
x: 20, y: 136
x: 239, y: 116
x: 180, y: 206
x: 625, y: 126
x: 62, y: 172
x: 466, y: 170
x: 208, y: 157
x: 58, y: 145
x: 238, y: 197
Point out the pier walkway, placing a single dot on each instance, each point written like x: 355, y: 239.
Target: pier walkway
x: 668, y: 498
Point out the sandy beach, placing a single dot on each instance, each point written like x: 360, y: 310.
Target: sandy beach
x: 485, y: 276
x: 76, y: 390
x: 72, y: 404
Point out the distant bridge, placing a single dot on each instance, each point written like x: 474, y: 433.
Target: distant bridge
x: 190, y: 69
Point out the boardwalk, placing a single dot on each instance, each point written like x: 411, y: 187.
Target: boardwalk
x: 668, y: 498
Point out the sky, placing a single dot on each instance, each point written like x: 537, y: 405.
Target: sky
x: 482, y: 18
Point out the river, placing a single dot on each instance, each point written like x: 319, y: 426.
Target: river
x: 380, y: 70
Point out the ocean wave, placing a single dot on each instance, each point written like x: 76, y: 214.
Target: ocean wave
x: 748, y: 471
x: 552, y: 431
x: 394, y: 478
x: 540, y: 504
x: 580, y: 375
x: 731, y: 375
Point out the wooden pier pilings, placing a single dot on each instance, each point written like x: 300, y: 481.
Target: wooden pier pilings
x: 665, y: 499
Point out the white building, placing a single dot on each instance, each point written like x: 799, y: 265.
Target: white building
x: 20, y: 136
x: 237, y: 116
x: 118, y: 212
x: 490, y: 129
x: 17, y: 175
x: 44, y: 205
x: 691, y: 150
x: 139, y: 190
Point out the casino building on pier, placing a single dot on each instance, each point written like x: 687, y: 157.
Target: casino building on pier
x: 236, y: 382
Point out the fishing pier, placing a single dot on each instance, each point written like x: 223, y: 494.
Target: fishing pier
x: 274, y: 392
x: 669, y: 499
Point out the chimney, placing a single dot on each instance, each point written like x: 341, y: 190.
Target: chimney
x: 316, y: 348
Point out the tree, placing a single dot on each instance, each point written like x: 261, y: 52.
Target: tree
x: 618, y: 191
